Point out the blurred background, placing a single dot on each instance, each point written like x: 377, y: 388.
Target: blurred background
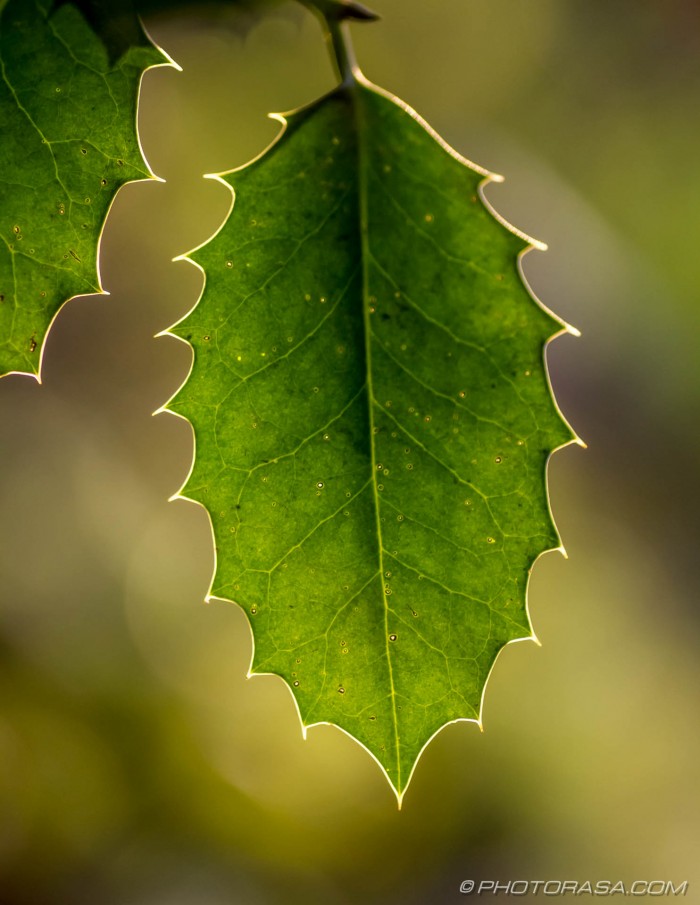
x: 138, y: 765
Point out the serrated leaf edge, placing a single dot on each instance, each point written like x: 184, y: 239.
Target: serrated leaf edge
x: 566, y: 328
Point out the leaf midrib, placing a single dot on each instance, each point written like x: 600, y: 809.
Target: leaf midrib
x: 354, y: 91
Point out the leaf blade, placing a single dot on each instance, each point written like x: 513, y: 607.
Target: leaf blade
x: 68, y: 118
x: 373, y: 516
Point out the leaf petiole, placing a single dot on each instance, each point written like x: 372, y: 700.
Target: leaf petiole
x: 334, y: 16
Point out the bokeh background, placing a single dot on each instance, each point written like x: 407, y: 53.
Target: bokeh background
x: 138, y: 765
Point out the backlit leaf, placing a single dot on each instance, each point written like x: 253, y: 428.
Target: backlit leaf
x: 373, y: 420
x: 68, y: 127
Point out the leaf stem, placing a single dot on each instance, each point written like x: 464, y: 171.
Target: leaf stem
x: 342, y: 51
x: 334, y: 15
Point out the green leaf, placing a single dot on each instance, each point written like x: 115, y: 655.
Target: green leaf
x: 68, y: 125
x: 373, y: 420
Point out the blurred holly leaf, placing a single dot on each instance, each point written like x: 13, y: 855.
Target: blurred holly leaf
x: 68, y: 102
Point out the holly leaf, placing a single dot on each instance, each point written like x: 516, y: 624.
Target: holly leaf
x: 68, y: 121
x: 373, y: 419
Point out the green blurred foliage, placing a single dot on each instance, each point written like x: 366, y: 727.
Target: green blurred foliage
x: 138, y: 763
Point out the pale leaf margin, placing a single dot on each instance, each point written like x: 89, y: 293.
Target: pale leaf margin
x: 565, y: 328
